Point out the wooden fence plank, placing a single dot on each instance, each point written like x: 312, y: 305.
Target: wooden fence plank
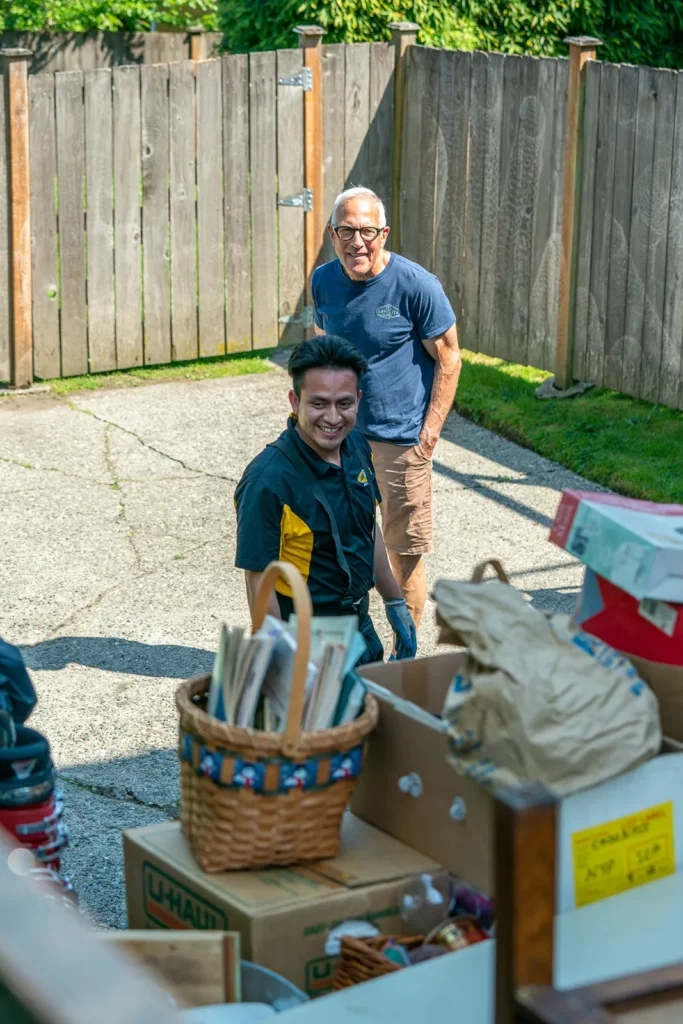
x: 415, y: 84
x: 290, y: 175
x: 262, y: 152
x: 538, y: 271
x: 334, y: 90
x: 424, y: 196
x: 586, y: 207
x: 621, y: 225
x: 4, y: 240
x: 181, y: 90
x: 163, y: 47
x: 236, y: 202
x: 99, y: 169
x: 70, y: 172
x: 454, y: 112
x: 636, y: 275
x: 209, y: 209
x: 469, y: 335
x: 671, y: 371
x: 356, y: 114
x: 655, y: 274
x: 556, y: 209
x: 127, y: 216
x: 43, y: 156
x: 605, y: 160
x: 381, y: 130
x: 155, y: 214
x: 498, y: 120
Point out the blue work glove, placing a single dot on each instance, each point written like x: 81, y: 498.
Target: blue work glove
x: 403, y: 627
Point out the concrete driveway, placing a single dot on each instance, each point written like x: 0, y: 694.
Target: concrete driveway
x: 118, y: 531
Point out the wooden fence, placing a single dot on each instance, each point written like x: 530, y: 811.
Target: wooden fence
x: 85, y: 51
x: 481, y: 193
x: 156, y: 230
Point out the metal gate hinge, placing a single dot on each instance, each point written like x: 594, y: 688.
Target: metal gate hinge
x: 303, y: 199
x: 304, y: 79
x: 305, y: 318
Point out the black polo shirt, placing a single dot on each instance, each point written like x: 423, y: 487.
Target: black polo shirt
x: 278, y: 517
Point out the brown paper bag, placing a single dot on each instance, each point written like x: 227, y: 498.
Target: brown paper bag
x: 539, y: 697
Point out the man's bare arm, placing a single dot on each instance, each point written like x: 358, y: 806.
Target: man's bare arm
x: 385, y: 581
x: 445, y: 350
x: 253, y: 582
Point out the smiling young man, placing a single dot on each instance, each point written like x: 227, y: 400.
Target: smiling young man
x: 310, y: 499
x: 396, y: 313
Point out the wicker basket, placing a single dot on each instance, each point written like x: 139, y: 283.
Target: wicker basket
x: 362, y: 959
x: 251, y: 799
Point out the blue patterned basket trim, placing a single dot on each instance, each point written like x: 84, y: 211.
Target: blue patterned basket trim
x: 217, y: 764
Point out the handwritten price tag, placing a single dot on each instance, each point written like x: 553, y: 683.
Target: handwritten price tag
x: 623, y: 853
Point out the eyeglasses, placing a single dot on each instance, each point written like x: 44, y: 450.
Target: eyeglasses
x: 368, y: 234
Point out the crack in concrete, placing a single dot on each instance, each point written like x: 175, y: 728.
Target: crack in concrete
x: 146, y: 444
x: 125, y: 796
x: 122, y: 516
x: 53, y: 469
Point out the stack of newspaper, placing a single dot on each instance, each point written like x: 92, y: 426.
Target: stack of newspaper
x: 252, y: 676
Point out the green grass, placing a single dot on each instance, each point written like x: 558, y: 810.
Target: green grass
x: 630, y: 446
x: 201, y: 369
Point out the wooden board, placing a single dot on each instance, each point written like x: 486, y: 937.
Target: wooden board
x: 70, y: 172
x: 424, y: 197
x: 356, y: 115
x: 381, y: 129
x: 4, y: 242
x: 99, y: 170
x: 43, y: 158
x: 621, y: 226
x: 236, y: 202
x: 660, y: 205
x: 127, y: 216
x: 262, y: 154
x: 473, y: 217
x: 641, y: 196
x: 209, y: 209
x: 671, y: 372
x: 451, y: 178
x: 162, y: 47
x: 290, y: 176
x: 198, y: 968
x: 155, y: 214
x: 499, y: 117
x: 181, y: 87
x: 556, y: 208
x: 334, y: 79
x: 586, y: 199
x: 416, y: 70
x: 605, y: 160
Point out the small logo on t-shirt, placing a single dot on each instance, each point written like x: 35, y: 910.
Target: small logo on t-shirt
x: 362, y: 478
x: 388, y: 312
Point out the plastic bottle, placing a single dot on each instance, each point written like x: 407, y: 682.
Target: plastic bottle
x: 424, y: 902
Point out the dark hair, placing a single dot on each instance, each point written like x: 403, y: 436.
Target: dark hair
x: 326, y: 352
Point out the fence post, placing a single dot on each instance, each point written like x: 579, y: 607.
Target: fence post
x: 197, y: 41
x: 581, y: 49
x: 403, y: 35
x: 311, y: 38
x: 14, y: 64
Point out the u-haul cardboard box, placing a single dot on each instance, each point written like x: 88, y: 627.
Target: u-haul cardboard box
x: 283, y: 915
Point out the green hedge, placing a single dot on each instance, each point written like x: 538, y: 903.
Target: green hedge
x: 104, y: 15
x: 633, y: 31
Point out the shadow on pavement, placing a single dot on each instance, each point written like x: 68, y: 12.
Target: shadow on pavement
x: 171, y: 661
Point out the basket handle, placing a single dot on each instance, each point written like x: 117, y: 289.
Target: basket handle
x: 304, y: 611
x: 478, y: 574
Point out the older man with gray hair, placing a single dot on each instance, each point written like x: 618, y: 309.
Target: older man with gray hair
x: 398, y: 315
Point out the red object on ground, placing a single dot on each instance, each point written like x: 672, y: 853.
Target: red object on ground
x: 626, y: 623
x: 39, y: 828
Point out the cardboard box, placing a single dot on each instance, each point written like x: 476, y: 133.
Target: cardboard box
x: 283, y: 915
x: 623, y: 833
x: 635, y: 548
x: 571, y: 499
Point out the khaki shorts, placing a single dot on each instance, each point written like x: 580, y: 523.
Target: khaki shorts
x: 404, y: 476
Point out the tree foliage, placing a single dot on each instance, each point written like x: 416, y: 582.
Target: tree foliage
x: 633, y: 31
x: 104, y: 15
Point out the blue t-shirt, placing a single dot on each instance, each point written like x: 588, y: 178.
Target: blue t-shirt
x: 386, y: 317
